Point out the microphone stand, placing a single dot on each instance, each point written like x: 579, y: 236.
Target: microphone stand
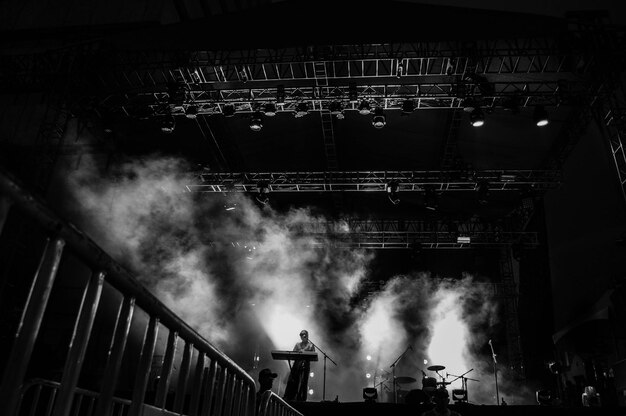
x: 325, y: 357
x: 495, y: 372
x: 393, y: 371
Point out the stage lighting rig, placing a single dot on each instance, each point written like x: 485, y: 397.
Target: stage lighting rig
x: 364, y: 108
x: 540, y: 116
x: 256, y: 121
x: 302, y: 109
x: 477, y: 118
x: 379, y: 120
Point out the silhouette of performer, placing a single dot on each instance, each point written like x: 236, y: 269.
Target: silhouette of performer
x: 299, y: 377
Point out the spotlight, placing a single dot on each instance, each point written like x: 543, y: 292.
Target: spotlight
x: 482, y: 191
x: 430, y: 198
x: 168, y: 123
x: 269, y: 109
x: 392, y: 192
x: 228, y: 110
x: 468, y: 104
x: 262, y: 193
x: 353, y: 95
x: 477, y: 118
x: 364, y: 108
x: 540, y: 115
x: 407, y: 107
x: 368, y: 358
x: 370, y: 394
x: 512, y: 104
x: 191, y: 111
x: 256, y: 121
x: 379, y: 120
x: 280, y: 95
x: 459, y: 395
x: 399, y: 69
x: 230, y: 206
x: 311, y: 392
x: 368, y: 375
x: 336, y: 109
x: 544, y: 397
x: 463, y: 239
x: 302, y: 109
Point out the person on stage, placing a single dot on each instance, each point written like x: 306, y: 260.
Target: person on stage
x: 299, y: 377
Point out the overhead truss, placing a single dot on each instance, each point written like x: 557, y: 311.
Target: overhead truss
x: 407, y: 234
x: 364, y: 181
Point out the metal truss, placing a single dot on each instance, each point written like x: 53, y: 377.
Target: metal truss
x: 367, y: 181
x: 411, y: 234
x: 395, y: 234
x: 488, y: 57
x: 510, y: 298
x: 390, y: 96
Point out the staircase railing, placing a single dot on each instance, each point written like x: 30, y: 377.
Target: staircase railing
x: 193, y: 377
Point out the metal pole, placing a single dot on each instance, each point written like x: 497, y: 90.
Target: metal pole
x: 495, y: 373
x: 29, y: 325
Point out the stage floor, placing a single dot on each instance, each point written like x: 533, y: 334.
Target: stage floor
x: 383, y: 409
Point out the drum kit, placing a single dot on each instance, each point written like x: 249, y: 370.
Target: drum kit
x: 430, y: 385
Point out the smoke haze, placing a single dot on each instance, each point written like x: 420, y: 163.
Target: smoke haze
x: 252, y: 270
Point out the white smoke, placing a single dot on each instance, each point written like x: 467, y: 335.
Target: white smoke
x: 213, y: 267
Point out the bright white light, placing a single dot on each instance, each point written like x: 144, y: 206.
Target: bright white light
x: 425, y: 361
x: 478, y: 123
x: 449, y: 342
x: 368, y: 375
x: 311, y: 391
x: 368, y: 358
x: 543, y: 122
x: 311, y: 374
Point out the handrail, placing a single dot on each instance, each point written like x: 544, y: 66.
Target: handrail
x: 77, y: 242
x: 271, y: 404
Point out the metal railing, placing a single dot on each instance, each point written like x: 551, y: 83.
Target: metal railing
x: 194, y: 377
x: 271, y: 404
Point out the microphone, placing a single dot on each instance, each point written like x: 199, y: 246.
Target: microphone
x: 490, y: 343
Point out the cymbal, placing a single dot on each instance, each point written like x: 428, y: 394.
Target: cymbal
x: 405, y: 380
x: 436, y: 367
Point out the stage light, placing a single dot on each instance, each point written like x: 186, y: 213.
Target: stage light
x: 368, y: 358
x: 468, y: 104
x: 477, y: 118
x: 269, y: 109
x: 544, y: 397
x: 540, y: 115
x: 368, y: 375
x: 364, y: 108
x: 280, y: 95
x: 311, y: 374
x: 392, y: 192
x: 228, y: 110
x: 167, y: 124
x: 459, y: 395
x: 191, y: 111
x: 449, y: 67
x: 230, y: 206
x: 370, y: 394
x: 425, y: 361
x: 256, y: 121
x: 336, y: 109
x: 512, y: 104
x: 302, y: 109
x: 379, y: 120
x: 407, y: 107
x: 353, y: 95
x: 463, y: 240
x: 430, y: 198
x: 482, y: 192
x: 311, y: 392
x: 262, y: 196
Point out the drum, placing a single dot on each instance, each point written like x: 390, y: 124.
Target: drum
x: 416, y: 397
x: 429, y: 384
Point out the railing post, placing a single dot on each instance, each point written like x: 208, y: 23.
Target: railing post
x: 143, y: 370
x: 78, y: 344
x: 28, y: 327
x: 197, y: 385
x: 116, y: 353
x: 5, y: 206
x: 166, y: 370
x: 181, y: 387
